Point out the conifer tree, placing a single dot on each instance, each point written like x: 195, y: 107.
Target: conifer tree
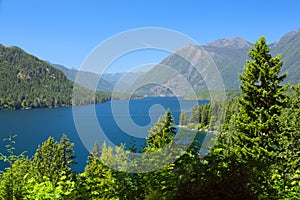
x: 162, y: 133
x: 96, y: 150
x: 183, y: 121
x: 95, y: 153
x: 256, y: 136
x: 68, y: 154
x: 195, y: 115
x: 52, y: 159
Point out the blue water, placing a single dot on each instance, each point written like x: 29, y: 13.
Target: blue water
x: 35, y: 126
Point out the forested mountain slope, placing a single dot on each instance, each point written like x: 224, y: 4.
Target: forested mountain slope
x: 28, y: 82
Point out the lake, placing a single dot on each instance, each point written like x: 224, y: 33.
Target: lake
x: 36, y: 125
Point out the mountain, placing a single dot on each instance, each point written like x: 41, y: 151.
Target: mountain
x: 90, y: 78
x: 125, y: 77
x: 289, y: 47
x: 107, y: 82
x: 236, y: 43
x: 229, y: 55
x: 28, y: 82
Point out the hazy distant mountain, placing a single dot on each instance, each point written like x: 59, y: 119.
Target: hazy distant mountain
x: 108, y: 80
x: 229, y: 56
x: 126, y: 78
x: 91, y: 78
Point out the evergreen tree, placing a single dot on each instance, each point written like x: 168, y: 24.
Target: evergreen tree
x: 68, y: 151
x: 162, y: 133
x: 96, y: 150
x: 256, y: 135
x: 68, y: 155
x: 285, y: 177
x: 195, y: 115
x: 183, y: 121
x: 52, y: 159
x: 95, y: 153
x: 97, y: 181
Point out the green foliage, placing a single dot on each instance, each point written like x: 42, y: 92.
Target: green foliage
x: 46, y: 190
x: 68, y: 157
x: 255, y: 141
x: 162, y: 133
x: 183, y: 120
x: 285, y: 174
x: 52, y: 159
x: 200, y: 117
x: 12, y: 180
x: 206, y: 95
x: 95, y: 152
x: 104, y: 176
x: 262, y: 100
x: 47, y: 175
x: 256, y: 155
x: 195, y: 115
x: 97, y: 181
x: 27, y: 82
x: 11, y: 158
x: 288, y: 46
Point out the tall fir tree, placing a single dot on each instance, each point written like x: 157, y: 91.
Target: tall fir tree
x: 183, y: 119
x: 162, y: 133
x: 256, y: 135
x: 195, y: 115
x: 68, y: 154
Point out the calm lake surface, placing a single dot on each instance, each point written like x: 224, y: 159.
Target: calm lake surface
x: 36, y: 125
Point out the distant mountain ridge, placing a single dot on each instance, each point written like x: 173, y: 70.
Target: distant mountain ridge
x: 235, y: 42
x: 71, y: 74
x: 230, y: 57
x: 107, y: 82
x: 27, y: 81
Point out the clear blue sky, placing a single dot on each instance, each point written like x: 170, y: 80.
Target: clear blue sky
x: 65, y: 31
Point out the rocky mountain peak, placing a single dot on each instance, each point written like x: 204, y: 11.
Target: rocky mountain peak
x: 235, y: 42
x: 288, y: 38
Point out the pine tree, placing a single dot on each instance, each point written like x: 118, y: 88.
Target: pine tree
x: 195, y: 115
x: 183, y: 119
x: 263, y: 96
x: 51, y: 160
x: 256, y: 134
x: 95, y: 152
x: 162, y: 133
x: 68, y: 154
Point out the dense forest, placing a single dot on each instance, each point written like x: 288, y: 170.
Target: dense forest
x: 256, y: 155
x: 27, y: 82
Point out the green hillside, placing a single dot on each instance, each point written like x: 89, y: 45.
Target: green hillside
x: 28, y: 82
